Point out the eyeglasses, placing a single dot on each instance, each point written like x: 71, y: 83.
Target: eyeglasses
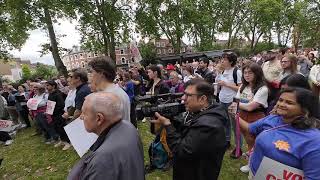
x: 190, y: 94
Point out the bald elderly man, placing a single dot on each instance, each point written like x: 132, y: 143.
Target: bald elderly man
x: 117, y: 154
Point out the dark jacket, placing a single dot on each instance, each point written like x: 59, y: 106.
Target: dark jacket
x: 207, y: 75
x: 199, y: 148
x: 160, y: 88
x: 57, y: 97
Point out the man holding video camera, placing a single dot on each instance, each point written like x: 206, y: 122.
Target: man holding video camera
x: 198, y: 148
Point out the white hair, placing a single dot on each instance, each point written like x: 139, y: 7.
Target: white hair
x: 106, y: 103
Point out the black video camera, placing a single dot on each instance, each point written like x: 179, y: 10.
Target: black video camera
x: 168, y: 105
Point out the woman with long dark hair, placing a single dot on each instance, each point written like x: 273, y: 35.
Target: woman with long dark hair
x: 290, y: 136
x: 253, y: 100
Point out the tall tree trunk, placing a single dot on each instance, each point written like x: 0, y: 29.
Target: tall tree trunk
x: 112, y: 45
x: 101, y: 19
x: 229, y: 37
x: 54, y: 45
x: 296, y: 37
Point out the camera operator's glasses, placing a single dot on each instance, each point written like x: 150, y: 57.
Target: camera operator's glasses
x: 190, y: 94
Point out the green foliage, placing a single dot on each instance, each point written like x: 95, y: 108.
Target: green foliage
x: 101, y: 23
x: 26, y: 72
x: 260, y: 47
x: 44, y: 71
x: 310, y: 24
x: 148, y: 53
x: 14, y: 23
x: 165, y: 17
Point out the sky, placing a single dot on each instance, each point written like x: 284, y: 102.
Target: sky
x: 30, y: 50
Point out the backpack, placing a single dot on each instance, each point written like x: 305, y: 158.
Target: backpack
x: 158, y: 155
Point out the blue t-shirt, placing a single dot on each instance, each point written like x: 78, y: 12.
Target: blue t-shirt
x: 129, y: 88
x: 286, y: 144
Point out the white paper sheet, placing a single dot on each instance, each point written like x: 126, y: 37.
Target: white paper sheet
x: 5, y: 124
x: 80, y: 139
x: 271, y: 169
x: 50, y: 107
x: 33, y: 103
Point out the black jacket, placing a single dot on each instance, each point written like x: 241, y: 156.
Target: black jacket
x: 57, y: 97
x: 207, y: 75
x: 199, y: 148
x: 160, y: 88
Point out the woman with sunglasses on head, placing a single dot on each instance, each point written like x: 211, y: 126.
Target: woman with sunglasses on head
x: 253, y: 100
x: 290, y: 136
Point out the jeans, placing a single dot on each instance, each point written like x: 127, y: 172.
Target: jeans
x: 231, y: 123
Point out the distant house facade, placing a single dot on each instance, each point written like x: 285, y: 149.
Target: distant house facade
x: 12, y: 70
x: 79, y: 58
x: 164, y: 47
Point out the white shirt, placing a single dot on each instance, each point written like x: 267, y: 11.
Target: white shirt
x: 43, y: 98
x: 4, y: 101
x: 314, y: 75
x: 187, y: 78
x: 260, y: 97
x: 227, y: 94
x: 70, y: 99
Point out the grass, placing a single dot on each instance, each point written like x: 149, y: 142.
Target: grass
x: 29, y: 158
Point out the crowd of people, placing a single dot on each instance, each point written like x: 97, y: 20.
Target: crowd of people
x: 271, y: 101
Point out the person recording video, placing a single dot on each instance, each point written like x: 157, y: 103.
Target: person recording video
x: 198, y: 148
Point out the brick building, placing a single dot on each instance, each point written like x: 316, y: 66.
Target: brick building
x: 79, y: 58
x: 164, y: 47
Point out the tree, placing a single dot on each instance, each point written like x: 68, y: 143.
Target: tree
x: 14, y: 23
x: 44, y: 71
x: 233, y: 14
x: 101, y: 22
x: 148, y: 53
x: 260, y: 19
x: 310, y: 24
x: 39, y: 14
x: 201, y: 19
x: 162, y: 17
x: 26, y: 72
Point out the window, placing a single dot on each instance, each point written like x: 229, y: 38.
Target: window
x: 132, y: 60
x: 163, y: 44
x: 75, y: 57
x: 169, y: 50
x: 164, y: 51
x: 80, y: 55
x: 83, y: 64
x: 158, y: 51
x: 123, y: 60
x: 158, y: 44
x: 121, y: 51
